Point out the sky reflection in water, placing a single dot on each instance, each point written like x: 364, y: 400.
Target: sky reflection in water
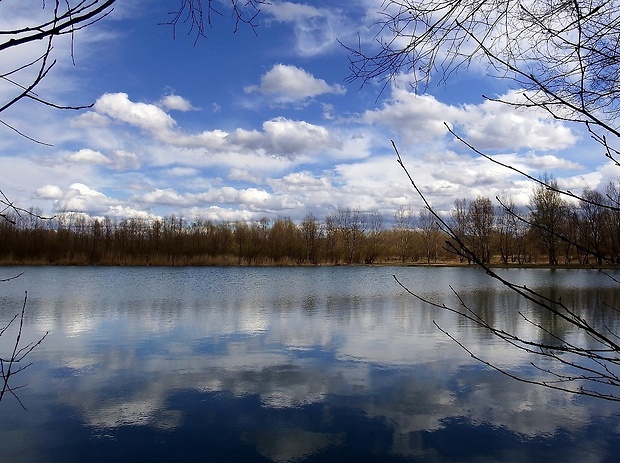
x: 264, y: 364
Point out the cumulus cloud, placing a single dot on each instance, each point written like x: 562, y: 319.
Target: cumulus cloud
x: 290, y: 12
x: 88, y: 156
x: 532, y: 162
x: 285, y: 137
x: 285, y: 83
x: 49, y: 192
x: 167, y: 196
x: 249, y: 199
x: 117, y: 160
x: 280, y: 136
x: 123, y: 151
x: 124, y: 160
x: 316, y: 30
x: 122, y: 211
x: 316, y: 192
x: 183, y: 171
x: 290, y: 137
x: 222, y: 214
x: 176, y: 103
x: 118, y: 106
x: 496, y: 125
x: 489, y: 125
x: 244, y: 175
x: 247, y: 196
x: 90, y: 119
x: 302, y: 181
x: 415, y: 117
x: 81, y: 198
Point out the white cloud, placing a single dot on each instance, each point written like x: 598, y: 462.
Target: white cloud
x: 167, y: 196
x: 252, y: 139
x: 222, y: 214
x: 301, y: 182
x: 88, y: 156
x: 117, y: 160
x: 49, y: 192
x: 415, y: 117
x: 81, y: 198
x: 496, y: 125
x: 248, y: 196
x: 90, y: 119
x: 316, y: 29
x: 183, y: 171
x: 531, y: 162
x: 176, y: 102
x: 289, y: 137
x: 285, y: 137
x: 244, y: 175
x: 280, y: 136
x: 122, y: 211
x: 285, y: 83
x: 79, y: 189
x: 489, y: 125
x: 254, y: 200
x: 145, y: 116
x: 290, y: 12
x: 124, y: 160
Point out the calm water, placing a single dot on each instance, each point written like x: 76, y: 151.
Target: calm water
x: 287, y: 365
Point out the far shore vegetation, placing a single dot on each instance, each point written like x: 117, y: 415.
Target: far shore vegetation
x: 500, y: 235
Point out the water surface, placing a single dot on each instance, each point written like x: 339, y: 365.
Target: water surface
x: 288, y: 364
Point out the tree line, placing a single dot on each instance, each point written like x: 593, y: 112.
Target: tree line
x: 550, y: 230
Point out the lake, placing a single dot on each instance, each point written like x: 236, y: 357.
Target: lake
x: 313, y: 364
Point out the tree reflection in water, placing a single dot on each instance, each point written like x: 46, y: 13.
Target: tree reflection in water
x: 316, y: 364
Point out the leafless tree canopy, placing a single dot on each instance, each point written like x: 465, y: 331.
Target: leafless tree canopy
x: 16, y: 361
x: 197, y: 15
x: 566, y: 54
x: 19, y: 81
x: 581, y: 358
x: 56, y: 18
x: 565, y: 57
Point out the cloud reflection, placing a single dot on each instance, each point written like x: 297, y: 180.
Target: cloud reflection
x: 282, y: 355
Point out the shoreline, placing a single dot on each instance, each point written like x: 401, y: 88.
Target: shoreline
x: 446, y: 264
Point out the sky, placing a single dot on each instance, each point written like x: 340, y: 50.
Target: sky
x: 262, y: 122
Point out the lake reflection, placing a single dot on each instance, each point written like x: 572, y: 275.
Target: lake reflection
x: 286, y: 364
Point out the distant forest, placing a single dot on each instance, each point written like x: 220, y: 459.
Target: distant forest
x: 550, y: 231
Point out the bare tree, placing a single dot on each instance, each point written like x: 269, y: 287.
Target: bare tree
x: 481, y: 224
x: 459, y: 220
x: 373, y: 231
x: 507, y: 229
x: 16, y: 360
x: 594, y: 222
x: 312, y: 233
x: 588, y: 364
x: 19, y: 82
x: 548, y: 215
x: 564, y: 53
x: 564, y: 58
x: 404, y: 233
x: 430, y: 235
x: 59, y: 18
x: 612, y: 193
x: 197, y: 15
x: 52, y: 21
x: 351, y: 226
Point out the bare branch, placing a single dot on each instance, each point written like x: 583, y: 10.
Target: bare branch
x: 591, y: 364
x: 15, y: 362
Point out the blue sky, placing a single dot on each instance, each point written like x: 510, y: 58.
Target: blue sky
x: 244, y: 126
